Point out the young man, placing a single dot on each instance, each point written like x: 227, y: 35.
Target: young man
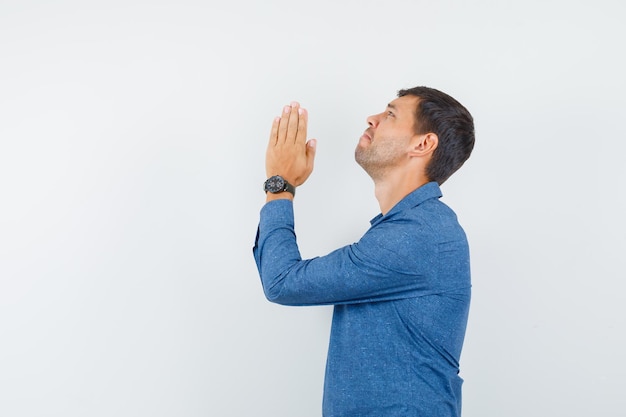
x: 402, y: 292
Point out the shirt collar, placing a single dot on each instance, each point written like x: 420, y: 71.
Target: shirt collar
x: 413, y: 199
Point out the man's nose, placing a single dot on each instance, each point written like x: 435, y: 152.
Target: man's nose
x: 373, y: 120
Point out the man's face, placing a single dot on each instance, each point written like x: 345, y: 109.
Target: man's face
x: 385, y: 143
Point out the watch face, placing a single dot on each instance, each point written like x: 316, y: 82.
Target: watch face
x: 275, y: 184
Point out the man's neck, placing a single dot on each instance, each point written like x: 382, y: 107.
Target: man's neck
x: 394, y: 187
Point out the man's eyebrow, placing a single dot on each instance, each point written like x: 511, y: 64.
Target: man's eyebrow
x: 391, y: 106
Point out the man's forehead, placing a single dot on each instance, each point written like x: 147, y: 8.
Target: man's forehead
x: 404, y: 101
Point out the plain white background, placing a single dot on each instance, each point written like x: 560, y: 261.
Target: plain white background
x: 132, y: 139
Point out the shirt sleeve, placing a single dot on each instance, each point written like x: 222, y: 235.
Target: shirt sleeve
x: 393, y: 260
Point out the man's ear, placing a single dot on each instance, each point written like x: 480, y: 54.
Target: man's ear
x: 422, y: 145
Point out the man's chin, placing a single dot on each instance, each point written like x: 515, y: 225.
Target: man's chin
x: 360, y: 157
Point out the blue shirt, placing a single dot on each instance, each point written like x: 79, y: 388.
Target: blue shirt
x: 401, y: 296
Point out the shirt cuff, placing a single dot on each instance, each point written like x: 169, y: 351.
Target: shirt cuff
x: 276, y: 213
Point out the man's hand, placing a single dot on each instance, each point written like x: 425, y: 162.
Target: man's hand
x: 288, y: 152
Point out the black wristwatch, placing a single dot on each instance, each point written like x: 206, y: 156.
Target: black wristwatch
x: 278, y: 184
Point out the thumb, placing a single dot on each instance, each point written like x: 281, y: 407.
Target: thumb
x: 311, y: 147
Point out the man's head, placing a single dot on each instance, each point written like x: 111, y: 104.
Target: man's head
x: 453, y: 124
x: 421, y: 124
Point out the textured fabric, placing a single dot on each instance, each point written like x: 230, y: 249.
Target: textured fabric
x: 401, y: 296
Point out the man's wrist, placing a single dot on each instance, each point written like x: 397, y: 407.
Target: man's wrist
x: 276, y: 184
x: 285, y: 195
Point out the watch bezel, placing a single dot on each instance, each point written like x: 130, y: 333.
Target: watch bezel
x: 277, y: 184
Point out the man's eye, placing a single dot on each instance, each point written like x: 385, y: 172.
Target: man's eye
x: 390, y: 114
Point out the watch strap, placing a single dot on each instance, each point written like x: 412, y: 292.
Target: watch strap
x: 290, y: 188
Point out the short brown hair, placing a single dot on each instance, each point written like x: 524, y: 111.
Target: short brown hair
x: 453, y: 124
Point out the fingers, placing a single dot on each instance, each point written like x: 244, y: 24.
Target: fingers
x: 311, y: 147
x: 283, y: 125
x: 292, y: 125
x: 302, y: 124
x: 274, y: 131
